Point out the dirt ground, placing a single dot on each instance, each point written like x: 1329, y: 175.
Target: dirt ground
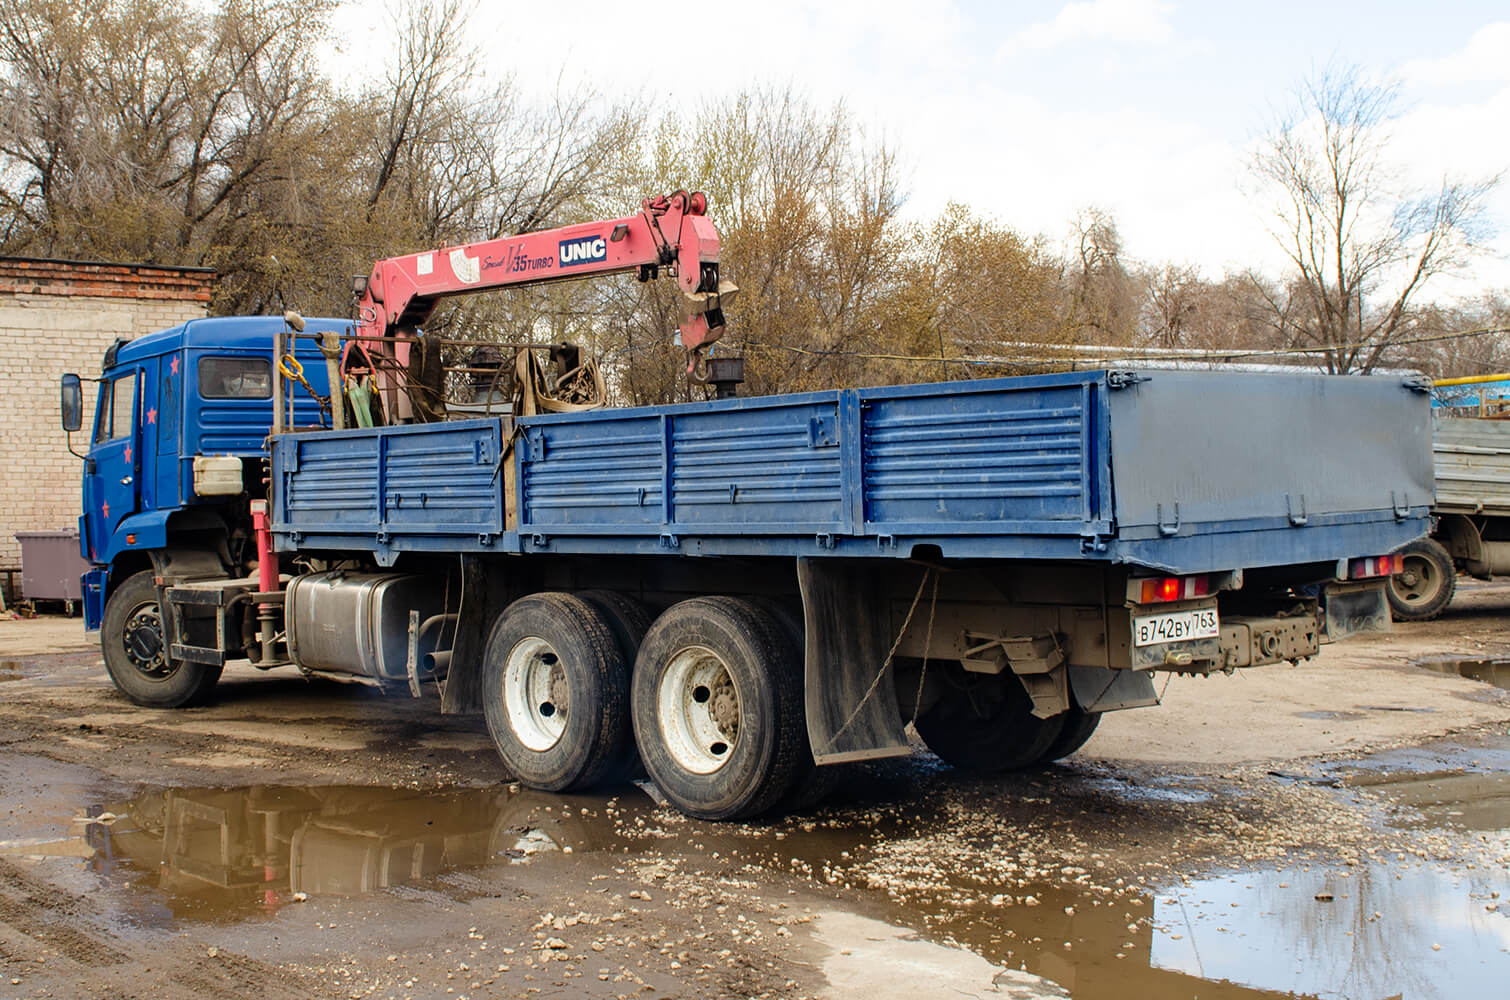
x: 1337, y: 828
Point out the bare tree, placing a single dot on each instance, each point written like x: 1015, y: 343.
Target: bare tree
x: 806, y: 206
x: 1172, y: 303
x: 1470, y: 337
x: 136, y: 112
x: 1103, y: 295
x: 1362, y: 249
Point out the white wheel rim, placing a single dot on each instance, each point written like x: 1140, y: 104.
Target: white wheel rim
x: 699, y: 710
x: 535, y: 693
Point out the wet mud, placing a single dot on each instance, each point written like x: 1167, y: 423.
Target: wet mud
x: 176, y: 857
x: 310, y: 840
x: 1495, y: 671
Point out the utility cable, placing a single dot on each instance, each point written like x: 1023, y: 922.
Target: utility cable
x: 1131, y: 357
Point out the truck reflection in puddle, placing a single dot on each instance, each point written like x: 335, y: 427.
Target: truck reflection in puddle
x: 233, y: 854
x: 218, y: 853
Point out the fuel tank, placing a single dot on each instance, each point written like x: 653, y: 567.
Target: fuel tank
x: 358, y: 623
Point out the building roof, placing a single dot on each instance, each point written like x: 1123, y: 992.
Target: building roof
x: 103, y: 279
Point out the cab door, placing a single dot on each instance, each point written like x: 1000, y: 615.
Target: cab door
x: 112, y: 470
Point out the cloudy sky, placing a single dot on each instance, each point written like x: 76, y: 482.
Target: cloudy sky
x: 1030, y: 111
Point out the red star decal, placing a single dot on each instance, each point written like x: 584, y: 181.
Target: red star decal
x: 105, y: 508
x: 127, y: 453
x: 173, y: 366
x: 152, y: 416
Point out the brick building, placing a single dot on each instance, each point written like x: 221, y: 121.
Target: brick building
x: 59, y: 316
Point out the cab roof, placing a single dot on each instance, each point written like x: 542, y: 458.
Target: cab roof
x: 224, y: 332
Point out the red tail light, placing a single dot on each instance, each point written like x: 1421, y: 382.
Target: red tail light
x: 1160, y: 589
x: 1362, y: 569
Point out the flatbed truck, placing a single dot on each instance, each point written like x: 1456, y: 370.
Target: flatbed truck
x: 736, y: 594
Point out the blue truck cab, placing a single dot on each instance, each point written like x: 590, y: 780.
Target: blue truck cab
x: 738, y: 593
x: 199, y: 390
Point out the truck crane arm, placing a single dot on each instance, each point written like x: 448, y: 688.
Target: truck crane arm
x: 670, y: 232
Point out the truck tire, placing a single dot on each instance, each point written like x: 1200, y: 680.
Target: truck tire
x: 626, y: 617
x: 1424, y: 587
x: 556, y: 692
x: 1078, y: 727
x: 136, y: 654
x: 985, y: 723
x: 629, y: 620
x: 811, y: 784
x: 717, y: 708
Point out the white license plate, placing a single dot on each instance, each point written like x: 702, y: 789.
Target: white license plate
x: 1177, y: 626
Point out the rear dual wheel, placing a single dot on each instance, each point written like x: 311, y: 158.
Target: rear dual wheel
x: 556, y: 693
x: 985, y: 723
x: 717, y: 706
x: 715, y: 703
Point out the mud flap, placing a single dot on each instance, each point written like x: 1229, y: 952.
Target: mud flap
x: 1355, y: 608
x: 1099, y: 690
x: 852, y: 713
x: 93, y: 583
x: 483, y: 599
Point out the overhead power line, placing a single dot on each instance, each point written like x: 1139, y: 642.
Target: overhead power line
x: 1105, y: 354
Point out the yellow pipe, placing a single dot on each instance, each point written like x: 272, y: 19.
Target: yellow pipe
x: 1472, y: 379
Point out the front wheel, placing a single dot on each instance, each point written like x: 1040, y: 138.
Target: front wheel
x: 717, y: 707
x: 1425, y: 584
x: 135, y: 647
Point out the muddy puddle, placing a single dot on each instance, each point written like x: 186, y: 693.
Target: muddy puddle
x: 175, y: 856
x: 1495, y: 671
x: 10, y: 670
x: 1369, y: 931
x: 1444, y: 786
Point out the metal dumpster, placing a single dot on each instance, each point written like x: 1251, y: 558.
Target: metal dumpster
x: 51, y: 565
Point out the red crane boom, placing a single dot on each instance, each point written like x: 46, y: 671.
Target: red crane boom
x: 670, y: 232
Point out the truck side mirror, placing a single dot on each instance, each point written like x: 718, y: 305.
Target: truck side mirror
x: 72, y: 403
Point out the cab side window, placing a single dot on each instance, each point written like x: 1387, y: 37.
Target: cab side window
x: 235, y: 378
x: 117, y: 409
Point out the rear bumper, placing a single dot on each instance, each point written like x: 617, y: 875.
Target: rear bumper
x: 1293, y: 630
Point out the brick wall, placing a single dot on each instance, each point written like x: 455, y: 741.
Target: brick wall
x: 56, y: 317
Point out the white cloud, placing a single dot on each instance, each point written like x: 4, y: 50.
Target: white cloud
x: 1108, y: 20
x: 1170, y: 184
x: 1486, y: 58
x: 1017, y: 147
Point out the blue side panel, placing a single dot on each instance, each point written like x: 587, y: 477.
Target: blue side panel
x: 777, y: 467
x: 451, y: 481
x: 1017, y: 460
x: 328, y: 484
x: 1062, y: 466
x: 1020, y: 456
x: 607, y: 472
x: 381, y: 490
x: 751, y: 467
